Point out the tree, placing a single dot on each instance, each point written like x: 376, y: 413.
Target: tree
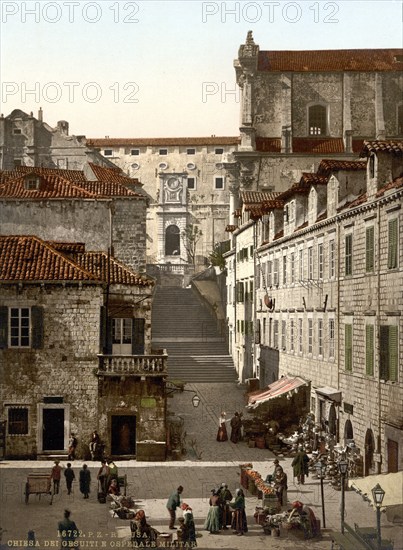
x: 216, y: 257
x: 190, y: 237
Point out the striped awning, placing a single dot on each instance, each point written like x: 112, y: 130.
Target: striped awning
x: 280, y: 388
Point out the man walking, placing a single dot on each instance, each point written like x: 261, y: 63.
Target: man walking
x: 172, y: 504
x: 68, y: 531
x: 69, y: 475
x: 55, y: 476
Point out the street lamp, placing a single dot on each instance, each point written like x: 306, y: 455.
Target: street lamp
x: 377, y: 494
x: 343, y: 467
x: 321, y: 470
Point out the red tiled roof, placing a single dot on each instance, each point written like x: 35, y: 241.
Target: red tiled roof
x: 268, y: 144
x: 320, y: 146
x: 357, y: 145
x: 382, y: 146
x: 112, y: 175
x: 257, y: 197
x: 160, y: 142
x: 256, y: 212
x: 327, y: 166
x: 74, y: 176
x: 330, y: 60
x: 395, y: 184
x: 278, y: 235
x: 230, y: 228
x: 56, y: 186
x: 309, y: 178
x: 28, y: 258
x: 31, y: 259
x: 238, y: 213
x: 273, y: 204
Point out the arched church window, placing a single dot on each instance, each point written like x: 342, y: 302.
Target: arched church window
x: 172, y: 241
x: 317, y: 120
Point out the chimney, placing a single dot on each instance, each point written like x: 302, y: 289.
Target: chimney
x: 63, y: 127
x: 40, y: 114
x: 348, y: 141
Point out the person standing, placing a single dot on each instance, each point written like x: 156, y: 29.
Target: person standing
x: 300, y: 465
x: 213, y: 520
x: 225, y: 496
x: 85, y: 481
x: 222, y: 429
x: 72, y: 447
x: 173, y: 502
x: 67, y: 530
x: 55, y: 475
x: 236, y: 424
x: 94, y: 444
x: 239, y: 524
x: 280, y: 485
x: 69, y: 475
x: 103, y: 476
x: 189, y: 529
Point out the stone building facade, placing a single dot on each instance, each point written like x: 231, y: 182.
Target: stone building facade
x: 328, y: 275
x: 186, y: 182
x: 29, y: 141
x: 75, y: 352
x: 94, y: 206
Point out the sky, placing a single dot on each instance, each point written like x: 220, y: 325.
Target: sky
x: 162, y: 68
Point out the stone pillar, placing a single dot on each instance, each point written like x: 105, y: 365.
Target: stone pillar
x: 379, y: 116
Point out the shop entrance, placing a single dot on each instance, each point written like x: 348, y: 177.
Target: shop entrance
x: 53, y: 429
x: 123, y: 431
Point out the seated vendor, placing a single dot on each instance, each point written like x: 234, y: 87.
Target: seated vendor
x: 141, y: 530
x: 114, y: 488
x: 307, y: 519
x: 270, y: 477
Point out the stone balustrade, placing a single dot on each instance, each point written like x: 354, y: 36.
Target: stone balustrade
x: 126, y: 365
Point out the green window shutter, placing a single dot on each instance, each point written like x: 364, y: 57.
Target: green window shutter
x: 37, y: 327
x: 393, y: 346
x: 369, y: 249
x: 348, y: 255
x: 392, y: 244
x: 102, y: 329
x: 242, y: 294
x: 138, y: 336
x: 348, y: 347
x: 3, y: 327
x: 369, y: 350
x: 384, y: 352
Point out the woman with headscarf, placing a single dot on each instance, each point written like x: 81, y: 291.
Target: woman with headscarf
x: 239, y: 524
x: 188, y: 529
x: 212, y: 522
x: 307, y: 519
x: 141, y: 530
x: 222, y: 429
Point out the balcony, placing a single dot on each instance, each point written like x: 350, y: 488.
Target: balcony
x: 154, y: 364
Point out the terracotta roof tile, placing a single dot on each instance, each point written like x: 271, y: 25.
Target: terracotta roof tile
x: 26, y: 258
x: 230, y: 228
x: 256, y: 212
x: 395, y: 184
x: 257, y: 197
x: 382, y: 146
x: 274, y: 204
x: 320, y: 146
x: 327, y: 166
x: 112, y: 175
x: 58, y: 184
x: 279, y: 235
x: 161, y: 142
x: 268, y: 144
x: 238, y: 213
x: 330, y: 60
x: 309, y: 178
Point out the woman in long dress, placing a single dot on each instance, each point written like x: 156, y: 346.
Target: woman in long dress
x: 212, y: 522
x: 189, y: 529
x: 222, y: 429
x: 239, y: 524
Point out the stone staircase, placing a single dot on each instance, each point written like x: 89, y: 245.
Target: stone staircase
x: 196, y: 351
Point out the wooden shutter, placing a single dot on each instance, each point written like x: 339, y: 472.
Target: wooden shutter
x: 384, y: 352
x: 348, y: 347
x: 138, y: 336
x: 257, y: 332
x: 3, y: 327
x: 369, y: 249
x: 369, y: 350
x: 393, y: 347
x: 37, y: 327
x: 392, y: 244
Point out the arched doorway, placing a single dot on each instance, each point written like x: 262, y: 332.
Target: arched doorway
x: 172, y: 241
x: 348, y: 431
x: 369, y: 452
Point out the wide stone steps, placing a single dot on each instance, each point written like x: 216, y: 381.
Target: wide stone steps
x: 182, y: 326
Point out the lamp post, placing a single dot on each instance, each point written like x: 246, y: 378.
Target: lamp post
x: 343, y: 466
x: 378, y: 493
x: 321, y: 470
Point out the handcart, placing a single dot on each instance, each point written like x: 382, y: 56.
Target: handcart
x: 38, y: 484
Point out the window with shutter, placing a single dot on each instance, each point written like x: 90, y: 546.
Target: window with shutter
x: 3, y: 327
x: 369, y: 249
x: 37, y: 327
x: 348, y: 249
x: 392, y: 244
x: 393, y: 349
x: 388, y: 364
x: 348, y: 347
x: 369, y: 350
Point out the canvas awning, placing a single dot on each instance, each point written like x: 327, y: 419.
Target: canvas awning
x: 280, y: 388
x: 330, y: 393
x: 392, y: 485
